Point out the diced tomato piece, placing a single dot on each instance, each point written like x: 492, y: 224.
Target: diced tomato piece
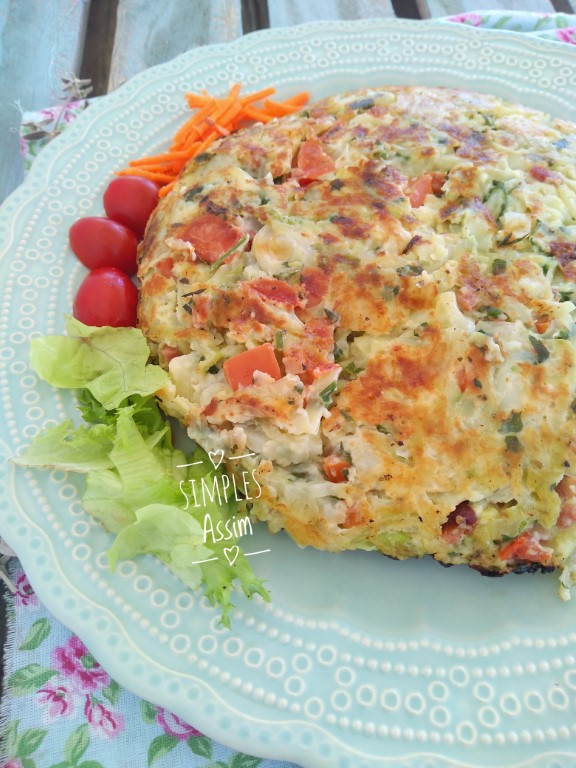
x: 313, y: 161
x: 460, y: 523
x: 316, y: 284
x: 164, y: 267
x: 276, y: 290
x: 542, y: 173
x: 438, y: 181
x: 462, y: 379
x: 239, y: 370
x: 541, y: 325
x: 314, y: 352
x: 211, y: 236
x: 526, y: 547
x: 566, y: 489
x: 422, y: 186
x: 353, y: 517
x: 168, y: 353
x: 336, y: 468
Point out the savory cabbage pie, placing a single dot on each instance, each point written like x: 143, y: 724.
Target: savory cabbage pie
x: 373, y: 297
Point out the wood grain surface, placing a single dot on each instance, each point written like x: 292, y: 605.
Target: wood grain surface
x: 150, y: 32
x: 41, y: 42
x: 289, y: 12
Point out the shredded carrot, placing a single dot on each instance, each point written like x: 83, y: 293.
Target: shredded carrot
x: 257, y: 114
x: 213, y: 119
x: 258, y: 96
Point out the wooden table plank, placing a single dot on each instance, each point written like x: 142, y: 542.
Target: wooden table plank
x: 149, y: 32
x: 40, y: 43
x: 435, y: 8
x: 284, y: 13
x: 98, y: 44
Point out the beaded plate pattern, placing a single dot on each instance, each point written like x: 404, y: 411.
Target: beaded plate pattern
x: 357, y: 661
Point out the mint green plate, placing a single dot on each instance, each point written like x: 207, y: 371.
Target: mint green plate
x: 358, y: 661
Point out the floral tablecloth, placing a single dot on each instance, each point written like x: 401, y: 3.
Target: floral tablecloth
x: 60, y: 708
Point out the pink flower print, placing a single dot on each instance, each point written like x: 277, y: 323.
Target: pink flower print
x: 76, y: 663
x: 566, y: 35
x: 72, y: 109
x: 174, y: 726
x: 467, y: 18
x: 50, y: 113
x: 24, y: 594
x: 103, y: 720
x: 59, y: 700
x: 14, y: 763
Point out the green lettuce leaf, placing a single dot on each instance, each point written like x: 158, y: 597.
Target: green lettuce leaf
x: 77, y: 449
x: 103, y: 500
x: 171, y: 534
x: 137, y: 483
x: 109, y: 362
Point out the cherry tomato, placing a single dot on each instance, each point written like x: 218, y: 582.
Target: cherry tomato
x: 130, y: 200
x: 101, y: 242
x: 106, y: 296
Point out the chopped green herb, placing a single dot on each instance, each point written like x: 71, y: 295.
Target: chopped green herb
x: 229, y: 251
x: 541, y: 351
x: 498, y: 266
x: 367, y: 103
x: 563, y: 334
x: 193, y: 293
x: 496, y: 199
x: 512, y: 443
x: 389, y: 291
x: 279, y: 340
x: 327, y: 392
x: 410, y: 270
x: 334, y: 317
x: 565, y: 295
x: 353, y: 370
x: 192, y: 193
x: 512, y: 424
x: 492, y: 312
x: 213, y: 369
x: 203, y: 157
x: 477, y: 383
x: 338, y: 354
x: 346, y: 454
x: 507, y: 239
x: 383, y: 429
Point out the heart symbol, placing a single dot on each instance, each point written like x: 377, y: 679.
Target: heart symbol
x: 231, y: 553
x: 213, y: 455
